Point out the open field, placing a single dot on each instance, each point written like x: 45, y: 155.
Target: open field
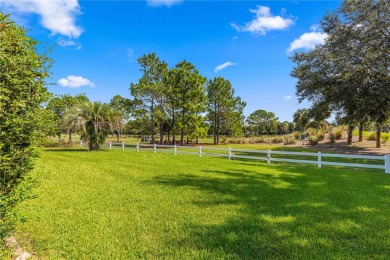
x: 115, y: 204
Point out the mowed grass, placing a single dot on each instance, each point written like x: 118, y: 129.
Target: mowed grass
x: 117, y: 204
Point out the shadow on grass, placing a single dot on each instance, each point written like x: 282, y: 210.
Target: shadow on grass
x: 288, y: 212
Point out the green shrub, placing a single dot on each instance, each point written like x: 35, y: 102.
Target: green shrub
x: 297, y: 135
x: 338, y: 132
x: 320, y: 135
x: 385, y: 138
x: 371, y: 136
x: 332, y: 137
x: 289, y: 140
x: 313, y: 140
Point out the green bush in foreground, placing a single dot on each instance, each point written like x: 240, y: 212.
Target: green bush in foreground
x: 22, y: 75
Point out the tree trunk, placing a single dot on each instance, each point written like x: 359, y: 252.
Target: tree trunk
x: 378, y: 135
x: 361, y: 125
x: 215, y: 127
x: 69, y: 136
x: 182, y: 136
x: 349, y: 139
x: 218, y: 130
x: 161, y: 133
x: 118, y: 135
x: 152, y: 121
x: 59, y: 137
x: 197, y: 141
x: 187, y: 138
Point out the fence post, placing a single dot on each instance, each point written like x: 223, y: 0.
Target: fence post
x: 174, y: 149
x: 387, y: 163
x: 155, y: 148
x: 81, y: 143
x: 123, y: 146
x: 268, y: 156
x: 319, y: 160
x: 110, y: 145
x: 230, y: 153
x: 137, y: 147
x: 200, y: 151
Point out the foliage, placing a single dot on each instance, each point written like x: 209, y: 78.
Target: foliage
x: 149, y: 92
x: 94, y: 120
x: 225, y: 111
x: 313, y: 139
x: 289, y: 140
x: 262, y: 122
x: 301, y: 119
x: 22, y: 91
x: 349, y: 73
x: 332, y: 137
x: 59, y: 106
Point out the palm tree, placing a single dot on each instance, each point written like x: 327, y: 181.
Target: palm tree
x: 115, y: 122
x: 92, y: 119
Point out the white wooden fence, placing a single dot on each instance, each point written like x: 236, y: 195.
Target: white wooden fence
x: 265, y: 155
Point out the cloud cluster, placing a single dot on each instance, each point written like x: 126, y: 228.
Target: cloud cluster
x: 264, y: 21
x: 73, y: 81
x: 223, y: 66
x: 168, y: 3
x: 58, y: 16
x: 308, y: 40
x: 287, y: 97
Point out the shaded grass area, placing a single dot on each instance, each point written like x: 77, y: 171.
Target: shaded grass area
x: 128, y: 205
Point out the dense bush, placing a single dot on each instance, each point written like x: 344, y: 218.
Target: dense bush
x: 313, y: 140
x: 22, y: 91
x: 289, y: 140
x: 332, y: 137
x: 371, y: 136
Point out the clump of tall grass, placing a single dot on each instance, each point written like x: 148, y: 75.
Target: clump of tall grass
x: 313, y: 140
x: 289, y: 140
x: 277, y: 140
x: 371, y: 136
x: 385, y: 138
x: 332, y: 137
x: 297, y: 135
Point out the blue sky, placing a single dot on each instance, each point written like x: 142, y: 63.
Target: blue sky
x: 246, y: 42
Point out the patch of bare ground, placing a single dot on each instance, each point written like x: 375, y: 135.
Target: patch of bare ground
x: 340, y: 146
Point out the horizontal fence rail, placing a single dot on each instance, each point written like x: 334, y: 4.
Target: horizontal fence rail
x: 265, y: 155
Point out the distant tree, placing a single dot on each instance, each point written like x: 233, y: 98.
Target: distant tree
x: 124, y: 106
x: 60, y: 105
x: 22, y: 92
x: 190, y: 98
x: 301, y: 119
x: 223, y: 107
x: 149, y: 92
x: 262, y: 122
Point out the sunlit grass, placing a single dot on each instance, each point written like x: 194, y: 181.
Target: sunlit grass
x: 128, y: 205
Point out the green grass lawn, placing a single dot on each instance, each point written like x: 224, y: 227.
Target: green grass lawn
x: 128, y: 205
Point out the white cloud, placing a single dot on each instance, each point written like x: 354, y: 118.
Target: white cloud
x: 224, y: 65
x: 308, y: 40
x: 287, y: 97
x: 58, y: 16
x: 68, y: 43
x: 264, y: 21
x: 73, y: 81
x: 168, y: 3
